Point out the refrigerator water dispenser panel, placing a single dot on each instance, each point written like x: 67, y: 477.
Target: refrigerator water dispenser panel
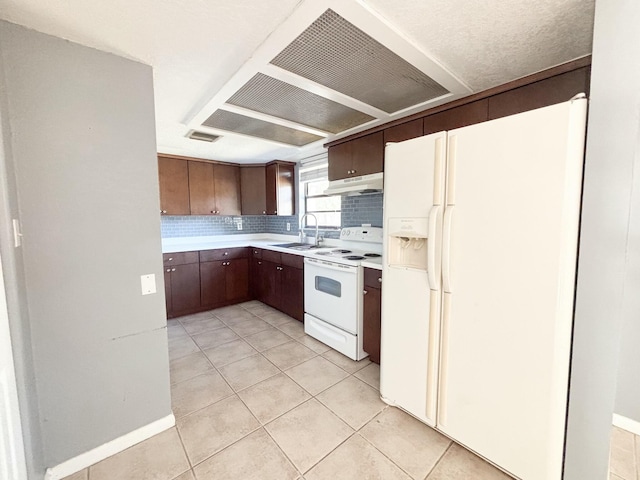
x: 407, y: 243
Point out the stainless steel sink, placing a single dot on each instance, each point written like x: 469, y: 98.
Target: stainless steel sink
x: 296, y: 246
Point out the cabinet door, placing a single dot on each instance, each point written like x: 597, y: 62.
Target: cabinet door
x: 280, y: 187
x: 286, y: 190
x: 271, y: 284
x: 253, y: 183
x: 256, y: 279
x: 404, y: 131
x: 185, y: 288
x: 272, y: 189
x: 174, y: 186
x: 292, y: 299
x: 550, y: 91
x: 237, y: 280
x: 212, y: 283
x: 167, y: 291
x: 339, y: 161
x: 462, y: 116
x: 371, y: 323
x: 226, y: 179
x: 201, y: 188
x: 367, y: 154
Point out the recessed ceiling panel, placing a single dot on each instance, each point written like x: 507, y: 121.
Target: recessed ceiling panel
x: 336, y: 54
x: 274, y: 97
x: 237, y: 123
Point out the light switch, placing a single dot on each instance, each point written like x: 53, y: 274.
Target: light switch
x: 148, y: 283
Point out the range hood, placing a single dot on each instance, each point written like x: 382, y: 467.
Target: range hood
x: 356, y: 185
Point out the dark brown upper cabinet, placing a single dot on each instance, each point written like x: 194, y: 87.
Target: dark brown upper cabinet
x: 360, y: 156
x: 404, y: 131
x: 253, y: 186
x: 469, y: 114
x: 556, y: 89
x: 280, y: 188
x: 214, y: 189
x: 173, y: 176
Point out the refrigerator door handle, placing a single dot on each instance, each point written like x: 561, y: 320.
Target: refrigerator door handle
x: 434, y: 247
x: 446, y: 248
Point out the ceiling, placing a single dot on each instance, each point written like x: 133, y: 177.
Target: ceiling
x: 224, y: 65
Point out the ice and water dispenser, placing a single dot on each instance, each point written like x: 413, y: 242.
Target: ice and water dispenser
x: 407, y: 243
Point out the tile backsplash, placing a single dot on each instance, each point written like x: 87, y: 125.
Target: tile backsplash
x: 356, y: 210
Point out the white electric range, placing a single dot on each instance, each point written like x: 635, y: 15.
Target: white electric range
x: 333, y: 285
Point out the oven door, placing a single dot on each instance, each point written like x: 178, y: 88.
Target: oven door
x: 331, y: 293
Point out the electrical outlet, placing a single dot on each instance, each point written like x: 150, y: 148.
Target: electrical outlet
x: 288, y: 227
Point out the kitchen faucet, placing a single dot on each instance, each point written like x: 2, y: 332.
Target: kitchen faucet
x: 303, y: 235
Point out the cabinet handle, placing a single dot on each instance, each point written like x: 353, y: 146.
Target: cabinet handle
x: 353, y: 171
x: 364, y: 292
x: 226, y: 253
x: 168, y: 270
x: 379, y: 279
x: 170, y: 258
x: 173, y: 269
x: 259, y: 263
x: 163, y: 211
x: 264, y: 212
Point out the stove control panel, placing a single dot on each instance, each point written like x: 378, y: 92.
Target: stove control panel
x: 362, y: 234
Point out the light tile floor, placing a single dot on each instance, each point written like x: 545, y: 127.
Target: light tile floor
x: 256, y: 398
x: 624, y: 461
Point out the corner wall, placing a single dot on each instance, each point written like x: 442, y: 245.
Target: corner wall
x: 608, y: 282
x: 13, y: 273
x: 84, y: 155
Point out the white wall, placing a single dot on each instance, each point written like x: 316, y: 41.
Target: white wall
x: 609, y: 245
x: 83, y: 154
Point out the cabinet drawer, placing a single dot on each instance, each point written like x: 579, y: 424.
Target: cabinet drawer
x: 179, y: 258
x: 256, y: 252
x: 223, y: 254
x: 271, y: 256
x: 291, y: 260
x: 372, y: 278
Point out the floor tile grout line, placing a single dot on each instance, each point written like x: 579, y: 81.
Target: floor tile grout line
x: 331, y: 451
x: 236, y: 393
x: 283, y: 452
x: 381, y: 452
x: 226, y: 447
x: 435, y: 465
x: 184, y: 449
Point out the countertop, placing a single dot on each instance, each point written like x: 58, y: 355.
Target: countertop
x: 259, y: 240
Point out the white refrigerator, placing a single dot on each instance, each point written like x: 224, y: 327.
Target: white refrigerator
x: 479, y: 264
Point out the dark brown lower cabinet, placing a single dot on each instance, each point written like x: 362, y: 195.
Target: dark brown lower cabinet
x: 224, y: 282
x: 237, y: 280
x: 227, y: 276
x: 212, y: 283
x: 292, y: 292
x: 372, y: 309
x: 167, y: 290
x: 271, y: 290
x: 184, y: 288
x: 277, y: 279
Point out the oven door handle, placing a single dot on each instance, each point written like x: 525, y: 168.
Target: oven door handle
x: 331, y: 266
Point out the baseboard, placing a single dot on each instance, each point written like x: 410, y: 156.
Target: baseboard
x: 93, y: 456
x: 626, y: 424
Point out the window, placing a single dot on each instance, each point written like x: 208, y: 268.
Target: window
x: 313, y: 182
x: 326, y: 208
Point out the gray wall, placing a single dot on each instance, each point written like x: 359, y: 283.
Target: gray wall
x: 609, y: 243
x: 83, y: 150
x: 13, y: 272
